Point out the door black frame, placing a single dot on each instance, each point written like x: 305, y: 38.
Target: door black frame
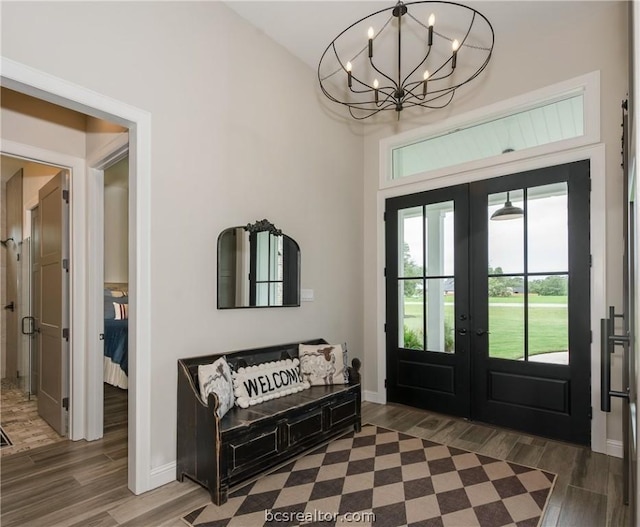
x: 566, y: 397
x: 445, y: 376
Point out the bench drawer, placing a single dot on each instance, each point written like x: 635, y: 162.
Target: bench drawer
x: 251, y: 448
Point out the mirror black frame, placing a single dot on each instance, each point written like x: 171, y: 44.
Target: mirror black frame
x: 291, y: 272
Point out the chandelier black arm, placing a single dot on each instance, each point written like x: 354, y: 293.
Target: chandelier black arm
x: 428, y: 103
x: 417, y: 67
x: 383, y: 74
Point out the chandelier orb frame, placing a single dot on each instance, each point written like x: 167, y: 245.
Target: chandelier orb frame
x: 350, y: 77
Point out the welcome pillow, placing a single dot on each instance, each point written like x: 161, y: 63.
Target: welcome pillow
x: 262, y: 382
x: 323, y: 364
x: 216, y: 378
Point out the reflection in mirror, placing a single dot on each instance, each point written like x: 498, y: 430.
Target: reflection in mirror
x: 258, y: 266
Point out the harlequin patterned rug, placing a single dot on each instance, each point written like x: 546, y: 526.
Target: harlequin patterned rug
x: 383, y: 478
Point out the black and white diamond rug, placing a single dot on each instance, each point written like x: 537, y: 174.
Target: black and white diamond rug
x: 4, y: 438
x: 383, y: 478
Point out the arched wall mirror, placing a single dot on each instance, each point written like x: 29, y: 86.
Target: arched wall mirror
x: 258, y: 266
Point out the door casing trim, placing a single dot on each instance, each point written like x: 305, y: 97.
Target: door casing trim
x: 596, y: 155
x: 25, y: 79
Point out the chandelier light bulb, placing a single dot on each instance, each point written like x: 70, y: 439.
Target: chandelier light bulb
x: 454, y: 46
x: 432, y: 20
x: 424, y: 83
x: 370, y: 33
x: 426, y: 75
x: 375, y: 84
x: 348, y: 67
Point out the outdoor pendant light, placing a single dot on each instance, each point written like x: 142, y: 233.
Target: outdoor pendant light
x: 507, y: 212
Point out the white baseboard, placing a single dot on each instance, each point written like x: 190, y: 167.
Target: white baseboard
x: 614, y: 448
x: 162, y: 475
x: 373, y: 397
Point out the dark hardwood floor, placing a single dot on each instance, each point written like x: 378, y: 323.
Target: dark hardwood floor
x: 85, y: 483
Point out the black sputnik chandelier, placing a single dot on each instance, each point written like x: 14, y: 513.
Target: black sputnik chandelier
x: 411, y: 54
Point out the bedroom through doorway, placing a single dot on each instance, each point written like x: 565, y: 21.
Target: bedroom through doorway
x: 116, y: 293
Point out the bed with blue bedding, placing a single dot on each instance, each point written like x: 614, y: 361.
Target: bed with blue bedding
x: 116, y: 337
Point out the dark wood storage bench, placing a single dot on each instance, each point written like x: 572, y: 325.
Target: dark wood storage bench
x: 221, y: 454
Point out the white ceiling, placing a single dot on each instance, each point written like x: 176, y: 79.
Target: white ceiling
x: 306, y: 28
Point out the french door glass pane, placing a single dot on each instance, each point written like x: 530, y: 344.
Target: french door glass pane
x: 440, y: 308
x: 275, y: 294
x: 411, y: 252
x: 262, y: 256
x: 548, y: 319
x: 506, y: 238
x: 438, y: 227
x: 262, y: 294
x: 411, y: 314
x: 275, y: 258
x: 506, y: 318
x: 547, y: 228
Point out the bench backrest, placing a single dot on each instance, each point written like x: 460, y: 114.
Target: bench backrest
x: 249, y: 357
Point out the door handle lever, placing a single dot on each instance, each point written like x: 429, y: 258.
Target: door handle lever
x: 11, y: 306
x: 481, y: 332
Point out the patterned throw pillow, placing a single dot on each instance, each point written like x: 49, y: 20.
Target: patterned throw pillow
x: 121, y: 311
x: 262, y: 382
x: 216, y: 378
x: 323, y: 364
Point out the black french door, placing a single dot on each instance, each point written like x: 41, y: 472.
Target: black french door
x: 431, y: 372
x: 488, y: 301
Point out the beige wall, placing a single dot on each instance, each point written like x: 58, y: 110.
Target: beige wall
x: 226, y: 150
x: 523, y: 62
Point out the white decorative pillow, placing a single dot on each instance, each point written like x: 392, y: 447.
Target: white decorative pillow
x: 121, y: 311
x: 323, y: 364
x: 216, y: 377
x: 262, y: 382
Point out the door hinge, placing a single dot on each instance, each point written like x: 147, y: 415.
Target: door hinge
x: 591, y: 412
x: 65, y: 265
x: 65, y: 403
x: 590, y: 261
x: 18, y: 257
x: 385, y: 383
x: 384, y: 216
x: 385, y: 271
x: 385, y: 327
x: 65, y: 334
x: 591, y: 336
x: 65, y: 196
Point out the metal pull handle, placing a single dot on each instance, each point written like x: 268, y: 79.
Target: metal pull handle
x: 32, y: 322
x: 11, y: 306
x: 481, y: 332
x: 462, y: 332
x: 608, y: 339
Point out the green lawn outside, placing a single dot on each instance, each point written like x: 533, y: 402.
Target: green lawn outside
x: 548, y: 326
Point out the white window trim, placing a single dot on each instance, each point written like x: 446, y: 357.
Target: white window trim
x: 588, y: 84
x: 530, y: 159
